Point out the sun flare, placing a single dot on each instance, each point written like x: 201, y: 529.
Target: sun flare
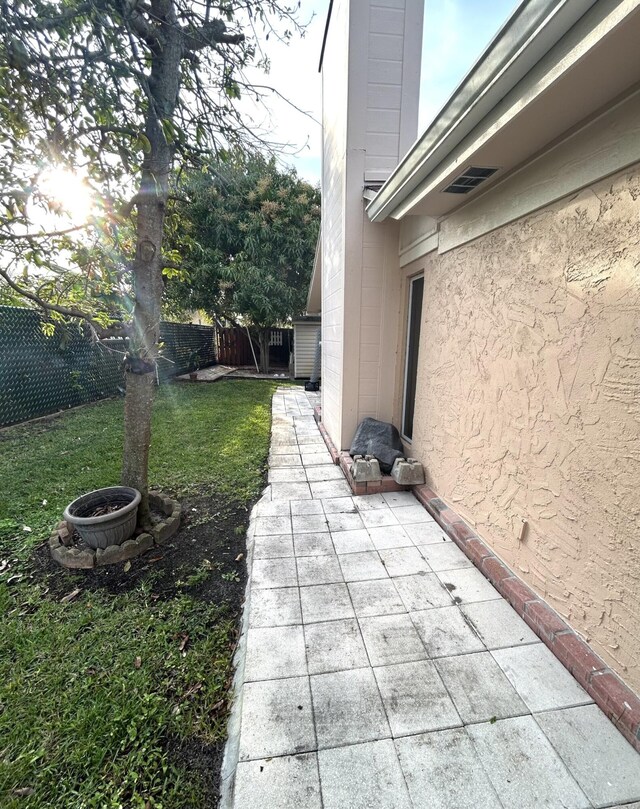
x: 67, y: 193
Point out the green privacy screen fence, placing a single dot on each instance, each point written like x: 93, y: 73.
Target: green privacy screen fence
x: 41, y: 374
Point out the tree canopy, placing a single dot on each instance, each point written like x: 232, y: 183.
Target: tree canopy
x: 251, y: 232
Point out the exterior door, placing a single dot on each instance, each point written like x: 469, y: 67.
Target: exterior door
x: 416, y: 289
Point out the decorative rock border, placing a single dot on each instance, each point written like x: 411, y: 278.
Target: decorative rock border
x: 609, y: 692
x: 66, y: 554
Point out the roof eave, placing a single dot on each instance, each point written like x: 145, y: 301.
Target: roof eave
x: 531, y: 31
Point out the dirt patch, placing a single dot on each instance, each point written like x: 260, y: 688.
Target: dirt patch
x: 206, y: 559
x: 201, y: 559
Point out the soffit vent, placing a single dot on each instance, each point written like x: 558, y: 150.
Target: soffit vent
x: 469, y: 179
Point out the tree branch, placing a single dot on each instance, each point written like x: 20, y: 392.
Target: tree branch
x: 117, y: 330
x: 209, y: 34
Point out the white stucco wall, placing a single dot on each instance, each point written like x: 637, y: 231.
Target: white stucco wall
x: 370, y: 106
x: 334, y: 115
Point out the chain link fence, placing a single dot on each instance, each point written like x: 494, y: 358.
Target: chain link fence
x: 42, y: 374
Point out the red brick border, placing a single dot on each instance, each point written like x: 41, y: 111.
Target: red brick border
x: 345, y: 461
x: 609, y: 692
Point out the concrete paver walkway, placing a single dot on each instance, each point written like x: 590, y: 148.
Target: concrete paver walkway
x: 379, y: 669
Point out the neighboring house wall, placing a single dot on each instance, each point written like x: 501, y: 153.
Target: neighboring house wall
x: 305, y: 342
x: 371, y: 71
x: 528, y: 403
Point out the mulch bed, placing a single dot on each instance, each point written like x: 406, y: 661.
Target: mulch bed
x: 212, y: 532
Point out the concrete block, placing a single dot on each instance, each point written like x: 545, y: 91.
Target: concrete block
x: 407, y: 472
x: 365, y: 469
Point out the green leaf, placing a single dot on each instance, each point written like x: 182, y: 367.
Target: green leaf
x: 143, y: 143
x: 168, y: 130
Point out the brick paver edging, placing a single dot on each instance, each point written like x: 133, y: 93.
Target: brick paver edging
x: 617, y: 701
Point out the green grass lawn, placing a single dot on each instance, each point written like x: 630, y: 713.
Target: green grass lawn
x: 104, y: 699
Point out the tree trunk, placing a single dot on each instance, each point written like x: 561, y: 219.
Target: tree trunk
x: 263, y: 338
x: 152, y: 196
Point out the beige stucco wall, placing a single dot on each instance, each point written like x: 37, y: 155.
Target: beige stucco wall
x: 528, y: 403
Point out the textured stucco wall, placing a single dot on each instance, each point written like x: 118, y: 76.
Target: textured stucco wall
x: 528, y: 403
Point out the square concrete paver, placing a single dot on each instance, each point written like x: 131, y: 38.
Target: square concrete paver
x: 498, y: 624
x: 368, y: 502
x: 362, y: 776
x: 362, y: 566
x: 344, y: 522
x: 334, y: 646
x: 316, y: 474
x: 389, y: 536
x: 378, y: 517
x: 316, y: 544
x: 347, y: 708
x: 445, y: 556
x: 289, y: 782
x: 312, y: 438
x: 400, y: 499
x: 391, y: 639
x: 275, y: 652
x: 426, y: 533
x: 280, y: 460
x: 523, y: 767
x: 338, y: 505
x: 273, y: 547
x: 277, y: 607
x: 267, y: 573
x: 443, y: 771
x: 540, y: 678
x: 479, y: 689
x: 318, y: 458
x: 300, y: 508
x: 272, y: 526
x: 269, y: 508
x: 277, y: 719
x: 603, y: 763
x: 378, y: 597
x: 309, y: 523
x: 330, y: 489
x: 352, y: 541
x: 325, y: 602
x: 290, y: 491
x: 422, y: 591
x: 414, y: 513
x: 444, y: 632
x: 468, y: 585
x: 404, y: 561
x: 318, y: 570
x: 284, y: 449
x: 285, y: 474
x: 415, y: 698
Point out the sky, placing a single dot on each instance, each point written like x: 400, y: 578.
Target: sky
x: 455, y: 34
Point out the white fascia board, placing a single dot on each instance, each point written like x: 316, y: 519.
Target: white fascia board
x: 530, y: 33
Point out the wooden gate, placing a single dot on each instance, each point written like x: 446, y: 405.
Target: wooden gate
x: 234, y: 347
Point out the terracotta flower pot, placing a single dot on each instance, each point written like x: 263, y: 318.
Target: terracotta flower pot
x: 117, y: 508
